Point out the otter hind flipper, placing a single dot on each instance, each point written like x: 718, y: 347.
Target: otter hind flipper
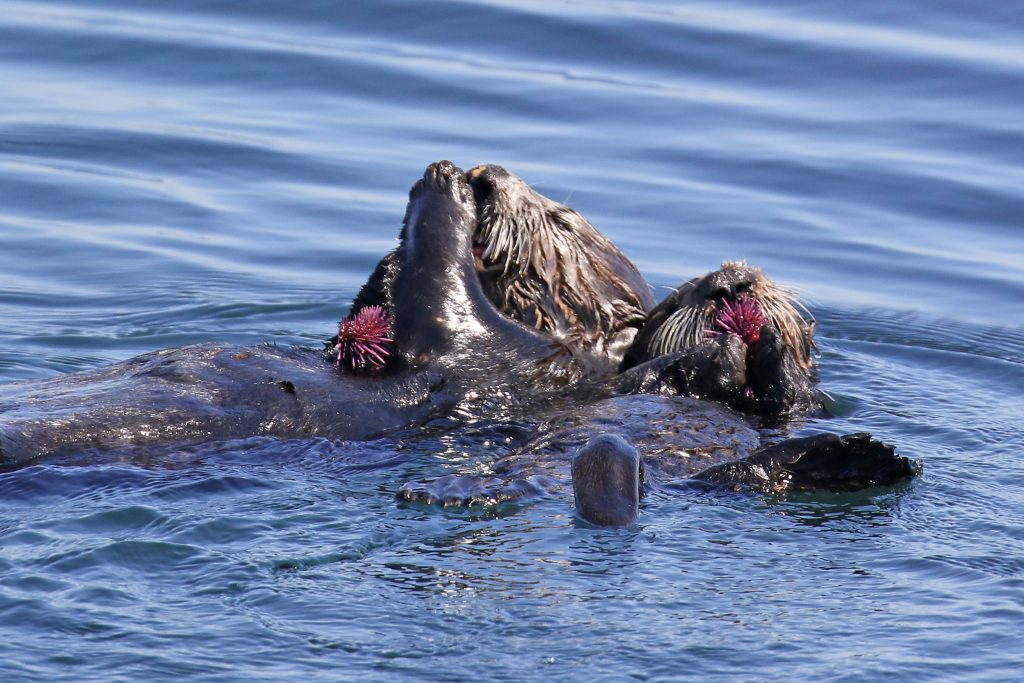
x: 819, y: 462
x: 466, y: 490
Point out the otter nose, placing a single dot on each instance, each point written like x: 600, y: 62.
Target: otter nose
x: 727, y: 286
x: 485, y: 178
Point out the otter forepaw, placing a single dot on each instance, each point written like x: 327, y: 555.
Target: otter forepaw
x: 714, y: 370
x: 472, y: 490
x: 777, y: 382
x: 847, y: 463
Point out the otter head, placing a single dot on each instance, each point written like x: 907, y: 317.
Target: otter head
x: 543, y: 264
x: 736, y: 299
x: 741, y: 337
x: 432, y: 292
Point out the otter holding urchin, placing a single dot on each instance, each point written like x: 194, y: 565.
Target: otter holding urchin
x: 732, y: 336
x: 457, y: 354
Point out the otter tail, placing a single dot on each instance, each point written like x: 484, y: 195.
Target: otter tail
x: 823, y: 461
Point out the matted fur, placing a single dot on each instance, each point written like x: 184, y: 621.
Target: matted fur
x: 547, y: 266
x: 696, y: 310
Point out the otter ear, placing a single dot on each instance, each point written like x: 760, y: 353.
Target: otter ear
x: 811, y: 326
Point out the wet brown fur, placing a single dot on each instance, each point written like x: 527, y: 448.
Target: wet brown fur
x: 544, y: 264
x: 683, y: 320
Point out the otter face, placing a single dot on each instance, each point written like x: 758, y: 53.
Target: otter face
x: 736, y: 299
x: 543, y: 264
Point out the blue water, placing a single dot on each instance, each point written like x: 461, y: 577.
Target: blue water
x: 209, y: 170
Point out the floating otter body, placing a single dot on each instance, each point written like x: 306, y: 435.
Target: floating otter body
x: 502, y: 302
x: 202, y: 393
x: 454, y: 352
x: 616, y: 449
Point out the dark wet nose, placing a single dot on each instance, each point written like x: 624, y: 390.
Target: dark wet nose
x: 443, y: 169
x: 727, y: 286
x: 445, y: 178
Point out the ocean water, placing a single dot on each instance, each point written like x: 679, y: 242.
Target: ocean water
x: 209, y: 170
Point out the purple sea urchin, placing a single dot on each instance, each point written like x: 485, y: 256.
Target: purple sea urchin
x: 742, y: 318
x: 364, y: 340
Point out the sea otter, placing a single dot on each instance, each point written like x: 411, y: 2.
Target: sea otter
x: 543, y: 264
x: 454, y: 352
x: 733, y: 336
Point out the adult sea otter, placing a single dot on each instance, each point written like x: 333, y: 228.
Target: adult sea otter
x: 543, y: 264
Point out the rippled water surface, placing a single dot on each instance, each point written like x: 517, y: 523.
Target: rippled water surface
x: 209, y: 170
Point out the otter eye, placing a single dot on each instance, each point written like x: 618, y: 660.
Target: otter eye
x: 483, y: 189
x: 742, y: 288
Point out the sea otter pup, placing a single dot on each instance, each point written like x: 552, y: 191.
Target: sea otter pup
x: 732, y: 337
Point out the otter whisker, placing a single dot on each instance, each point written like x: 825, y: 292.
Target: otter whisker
x: 683, y: 329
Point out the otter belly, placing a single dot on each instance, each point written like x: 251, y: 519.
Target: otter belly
x: 206, y: 392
